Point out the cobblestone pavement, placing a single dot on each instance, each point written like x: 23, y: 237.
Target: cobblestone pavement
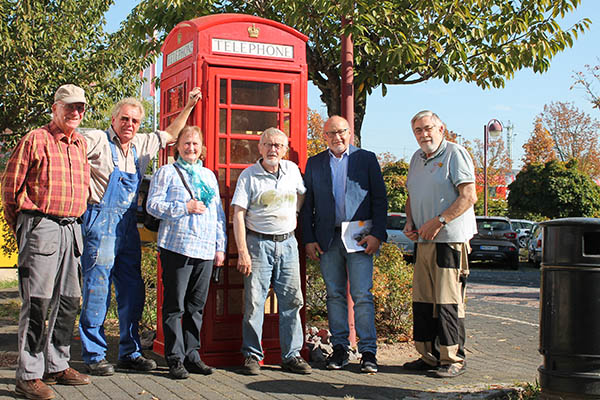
x: 502, y: 341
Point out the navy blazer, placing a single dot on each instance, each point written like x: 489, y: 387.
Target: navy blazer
x: 365, y: 196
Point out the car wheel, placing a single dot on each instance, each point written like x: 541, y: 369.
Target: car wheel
x: 522, y: 243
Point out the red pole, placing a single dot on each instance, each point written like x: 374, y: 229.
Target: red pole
x: 347, y: 103
x: 347, y: 73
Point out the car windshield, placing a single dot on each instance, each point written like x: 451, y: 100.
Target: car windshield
x: 396, y: 222
x: 521, y: 225
x: 492, y: 225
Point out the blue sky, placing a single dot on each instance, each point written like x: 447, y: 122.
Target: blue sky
x: 464, y: 107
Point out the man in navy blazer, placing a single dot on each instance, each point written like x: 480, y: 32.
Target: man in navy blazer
x: 344, y: 183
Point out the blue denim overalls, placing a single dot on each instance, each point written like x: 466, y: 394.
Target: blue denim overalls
x: 112, y: 254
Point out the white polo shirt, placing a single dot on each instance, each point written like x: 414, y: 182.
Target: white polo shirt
x: 270, y: 201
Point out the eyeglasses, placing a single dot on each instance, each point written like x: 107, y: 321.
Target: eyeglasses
x: 79, y: 107
x: 426, y: 128
x: 341, y: 132
x: 134, y: 121
x: 277, y: 146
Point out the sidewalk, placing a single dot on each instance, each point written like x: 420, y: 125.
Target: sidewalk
x: 500, y: 352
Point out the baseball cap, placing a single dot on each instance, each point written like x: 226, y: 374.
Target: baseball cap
x: 70, y: 94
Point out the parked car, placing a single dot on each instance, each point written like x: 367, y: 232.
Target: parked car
x: 395, y: 224
x: 496, y: 240
x: 523, y: 229
x: 534, y: 248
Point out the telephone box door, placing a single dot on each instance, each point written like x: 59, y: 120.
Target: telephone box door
x: 242, y: 104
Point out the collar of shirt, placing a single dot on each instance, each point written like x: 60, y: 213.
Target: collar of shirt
x: 282, y: 168
x: 113, y: 136
x: 59, y: 135
x: 436, y: 154
x: 346, y: 153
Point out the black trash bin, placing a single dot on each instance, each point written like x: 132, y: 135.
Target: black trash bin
x: 570, y: 309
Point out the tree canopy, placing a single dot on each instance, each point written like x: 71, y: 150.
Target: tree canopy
x: 45, y: 44
x: 554, y: 190
x: 540, y: 146
x: 394, y: 175
x: 563, y: 132
x: 395, y: 42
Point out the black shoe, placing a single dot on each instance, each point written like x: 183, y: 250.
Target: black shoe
x: 178, y: 371
x: 368, y: 363
x: 451, y: 370
x: 198, y: 367
x: 101, y: 368
x: 296, y: 365
x: 339, y: 358
x: 251, y: 366
x: 418, y: 365
x: 138, y: 364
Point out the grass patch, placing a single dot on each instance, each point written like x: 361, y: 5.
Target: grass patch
x: 9, y: 284
x: 10, y: 310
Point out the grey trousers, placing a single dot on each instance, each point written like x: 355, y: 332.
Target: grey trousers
x: 49, y: 288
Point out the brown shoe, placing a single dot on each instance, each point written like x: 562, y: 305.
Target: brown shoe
x: 69, y: 377
x: 34, y: 389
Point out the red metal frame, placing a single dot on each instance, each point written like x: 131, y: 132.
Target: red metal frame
x: 190, y: 59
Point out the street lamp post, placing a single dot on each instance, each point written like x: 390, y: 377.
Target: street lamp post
x: 494, y: 129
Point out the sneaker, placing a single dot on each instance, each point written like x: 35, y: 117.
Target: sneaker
x: 451, y: 370
x: 339, y: 358
x: 68, y: 376
x: 296, y: 365
x: 101, y: 368
x: 178, y: 371
x: 418, y: 365
x: 368, y: 363
x: 198, y: 367
x: 137, y: 364
x: 34, y: 389
x: 250, y: 367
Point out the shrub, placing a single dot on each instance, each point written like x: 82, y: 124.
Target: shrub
x: 316, y: 293
x: 392, y: 293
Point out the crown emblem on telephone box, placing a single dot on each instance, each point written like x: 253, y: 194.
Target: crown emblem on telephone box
x: 253, y: 31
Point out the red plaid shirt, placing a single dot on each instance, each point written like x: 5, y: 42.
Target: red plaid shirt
x: 47, y: 172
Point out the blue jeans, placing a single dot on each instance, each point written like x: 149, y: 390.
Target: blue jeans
x: 337, y: 267
x: 277, y: 264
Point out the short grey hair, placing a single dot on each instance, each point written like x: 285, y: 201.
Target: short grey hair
x: 270, y: 132
x: 423, y: 114
x: 129, y: 101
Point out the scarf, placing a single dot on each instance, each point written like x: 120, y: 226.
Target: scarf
x: 204, y: 193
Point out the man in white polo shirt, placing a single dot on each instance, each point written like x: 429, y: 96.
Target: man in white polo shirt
x: 267, y: 197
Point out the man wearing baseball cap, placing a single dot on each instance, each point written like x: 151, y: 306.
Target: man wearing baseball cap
x: 44, y: 192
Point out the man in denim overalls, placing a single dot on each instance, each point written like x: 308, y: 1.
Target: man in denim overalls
x: 112, y: 254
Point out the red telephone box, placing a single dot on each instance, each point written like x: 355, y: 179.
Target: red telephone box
x: 253, y: 76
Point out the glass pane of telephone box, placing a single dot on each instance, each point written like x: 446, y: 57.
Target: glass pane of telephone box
x: 287, y: 93
x: 176, y: 98
x: 255, y: 93
x: 223, y: 91
x: 244, y: 151
x: 223, y: 120
x: 252, y: 122
x: 222, y: 151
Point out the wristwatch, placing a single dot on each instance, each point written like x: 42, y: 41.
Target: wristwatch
x: 442, y: 219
